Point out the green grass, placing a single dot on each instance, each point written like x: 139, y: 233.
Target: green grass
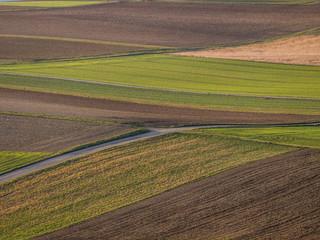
x: 294, y: 136
x: 102, y: 182
x: 49, y: 4
x: 12, y: 160
x: 207, y: 101
x: 187, y: 74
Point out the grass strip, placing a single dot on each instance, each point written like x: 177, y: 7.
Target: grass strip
x: 86, y: 187
x: 12, y: 160
x: 292, y: 136
x: 148, y: 96
x: 186, y: 74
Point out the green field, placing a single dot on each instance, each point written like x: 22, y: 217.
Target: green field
x: 187, y: 74
x: 207, y: 101
x: 49, y: 4
x: 89, y: 186
x: 12, y: 160
x: 294, y: 136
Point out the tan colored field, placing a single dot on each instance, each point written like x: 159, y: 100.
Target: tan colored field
x: 303, y: 50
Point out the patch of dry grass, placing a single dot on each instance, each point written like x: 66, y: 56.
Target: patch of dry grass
x: 303, y: 50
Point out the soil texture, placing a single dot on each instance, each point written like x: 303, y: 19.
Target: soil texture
x: 303, y: 50
x: 133, y: 113
x: 12, y: 48
x: 164, y: 24
x: 275, y: 198
x: 35, y: 134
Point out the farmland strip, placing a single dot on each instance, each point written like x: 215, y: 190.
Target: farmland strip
x: 161, y: 89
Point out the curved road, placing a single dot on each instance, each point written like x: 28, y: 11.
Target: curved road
x: 67, y: 156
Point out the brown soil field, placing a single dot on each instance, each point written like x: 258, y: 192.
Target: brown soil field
x: 26, y: 49
x: 275, y: 198
x: 128, y: 112
x: 303, y: 50
x: 33, y: 134
x: 164, y: 24
x: 16, y: 8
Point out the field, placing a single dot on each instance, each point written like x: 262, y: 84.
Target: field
x: 11, y: 160
x: 292, y: 136
x: 12, y: 48
x: 186, y: 74
x: 73, y: 76
x: 164, y: 24
x: 25, y: 140
x: 262, y: 2
x: 48, y: 4
x: 140, y: 170
x: 158, y: 97
x: 136, y: 113
x: 276, y: 198
x: 303, y: 50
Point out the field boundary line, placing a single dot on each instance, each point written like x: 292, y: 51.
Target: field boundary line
x: 161, y: 89
x: 83, y: 41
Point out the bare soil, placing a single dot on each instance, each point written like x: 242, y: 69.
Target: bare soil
x: 16, y: 8
x: 303, y: 50
x: 33, y: 134
x: 27, y: 49
x: 128, y: 112
x: 275, y: 198
x: 164, y: 24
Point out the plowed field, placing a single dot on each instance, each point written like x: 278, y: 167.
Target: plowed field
x: 141, y: 114
x: 276, y: 198
x: 31, y: 134
x: 164, y: 24
x: 27, y: 49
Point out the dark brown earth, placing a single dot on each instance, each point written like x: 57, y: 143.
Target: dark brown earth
x: 33, y: 134
x: 164, y: 24
x: 26, y: 49
x: 17, y: 8
x: 275, y: 198
x: 128, y: 112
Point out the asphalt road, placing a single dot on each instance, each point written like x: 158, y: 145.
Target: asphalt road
x: 67, y: 156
